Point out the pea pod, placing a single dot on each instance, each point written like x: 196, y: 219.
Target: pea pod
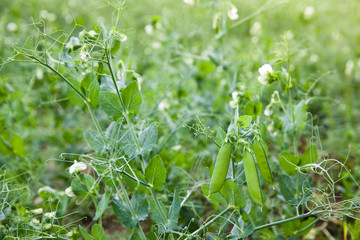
x: 262, y: 161
x: 221, y: 168
x: 252, y: 177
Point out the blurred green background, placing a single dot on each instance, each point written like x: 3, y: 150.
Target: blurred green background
x: 170, y: 44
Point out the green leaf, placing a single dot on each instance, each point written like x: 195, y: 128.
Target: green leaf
x: 95, y: 141
x: 291, y: 125
x: 133, y: 184
x: 91, y: 88
x: 262, y: 161
x: 220, y: 136
x: 253, y: 108
x: 233, y: 194
x: 309, y: 156
x: 148, y: 138
x: 82, y: 186
x: 155, y: 173
x: 156, y: 215
x: 115, y: 46
x: 110, y: 104
x: 102, y: 205
x: 288, y: 162
x: 132, y: 98
x: 173, y: 215
x: 122, y: 212
x: 127, y: 144
x: 216, y: 197
x: 85, y: 234
x: 17, y: 145
x: 78, y: 188
x: 73, y: 96
x: 244, y: 121
x: 98, y: 232
x: 287, y: 187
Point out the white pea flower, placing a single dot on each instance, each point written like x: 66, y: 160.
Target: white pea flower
x: 50, y: 214
x: 176, y: 147
x: 268, y: 110
x: 122, y: 37
x: 69, y: 234
x: 235, y: 95
x: 233, y: 103
x: 314, y: 58
x: 163, y: 105
x: 309, y: 12
x: 233, y: 13
x: 12, y: 27
x: 275, y: 98
x: 39, y: 74
x: 149, y: 29
x: 34, y: 222
x: 69, y: 192
x: 190, y: 2
x: 265, y: 72
x: 47, y: 189
x: 37, y: 211
x: 349, y: 67
x: 72, y: 42
x: 84, y: 55
x: 255, y: 29
x: 77, y: 167
x: 47, y: 226
x: 92, y: 33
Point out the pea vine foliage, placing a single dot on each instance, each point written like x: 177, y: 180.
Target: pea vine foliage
x: 123, y: 172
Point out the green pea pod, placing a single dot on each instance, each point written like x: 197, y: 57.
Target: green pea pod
x: 221, y: 168
x: 252, y: 177
x: 262, y: 161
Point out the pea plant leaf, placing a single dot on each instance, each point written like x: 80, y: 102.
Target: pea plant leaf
x: 287, y: 188
x: 216, y: 197
x: 288, y: 162
x: 173, y: 214
x: 220, y: 136
x: 122, y: 210
x: 85, y: 234
x: 148, y: 138
x: 233, y: 194
x: 91, y: 88
x: 73, y: 96
x: 155, y: 173
x: 17, y: 145
x: 132, y: 98
x: 98, y: 232
x: 94, y: 140
x: 156, y: 215
x: 110, y: 104
x: 102, y: 205
x: 244, y: 121
x: 309, y: 156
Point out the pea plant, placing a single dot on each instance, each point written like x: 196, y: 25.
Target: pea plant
x: 259, y: 165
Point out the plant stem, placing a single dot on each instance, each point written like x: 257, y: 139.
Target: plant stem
x: 108, y: 61
x: 163, y: 215
x: 288, y: 220
x: 210, y: 222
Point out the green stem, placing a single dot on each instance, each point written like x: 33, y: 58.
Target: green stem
x: 108, y: 61
x: 163, y: 215
x: 128, y: 203
x: 288, y: 220
x: 210, y: 222
x: 135, y: 179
